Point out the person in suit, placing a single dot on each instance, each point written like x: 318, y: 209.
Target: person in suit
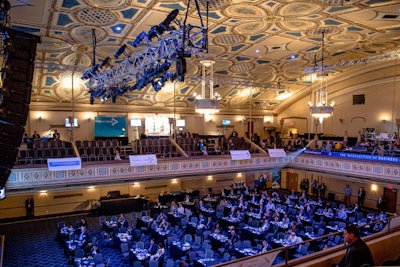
x: 164, y: 225
x: 358, y: 253
x: 152, y: 249
x: 122, y: 222
x: 83, y: 237
x: 56, y: 135
x: 29, y: 207
x: 265, y: 246
x: 95, y: 249
x: 159, y: 256
x: 209, y: 224
x: 230, y: 245
x: 202, y: 220
x: 35, y: 136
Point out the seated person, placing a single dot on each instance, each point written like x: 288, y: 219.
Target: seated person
x: 164, y: 225
x: 341, y: 215
x: 285, y: 220
x: 152, y: 249
x: 266, y: 225
x: 293, y: 239
x: 209, y: 224
x: 188, y: 213
x: 83, y: 237
x: 265, y: 246
x: 230, y: 244
x: 174, y: 207
x: 158, y: 256
x: 181, y: 209
x: 160, y: 217
x: 202, y: 221
x: 95, y: 250
x: 122, y: 222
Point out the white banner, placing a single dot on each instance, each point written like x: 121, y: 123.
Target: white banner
x: 143, y: 160
x: 277, y: 153
x: 64, y: 164
x: 240, y: 154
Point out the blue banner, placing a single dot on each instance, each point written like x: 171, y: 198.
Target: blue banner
x: 355, y: 156
x: 110, y: 127
x: 276, y: 179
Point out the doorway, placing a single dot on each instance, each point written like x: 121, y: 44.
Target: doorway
x: 292, y: 181
x: 390, y: 195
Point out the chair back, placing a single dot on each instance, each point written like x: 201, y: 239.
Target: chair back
x: 124, y: 247
x: 208, y: 254
x: 140, y: 245
x: 79, y: 253
x: 188, y: 238
x: 246, y: 244
x: 153, y: 263
x: 98, y: 258
x: 170, y: 263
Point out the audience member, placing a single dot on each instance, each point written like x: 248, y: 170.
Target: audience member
x: 357, y: 253
x: 35, y: 136
x: 56, y: 135
x: 152, y: 249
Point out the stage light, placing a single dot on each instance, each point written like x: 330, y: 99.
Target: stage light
x: 105, y: 62
x: 138, y: 39
x: 120, y: 51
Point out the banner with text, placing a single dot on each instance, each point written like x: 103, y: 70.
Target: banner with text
x: 143, y: 160
x: 64, y: 164
x: 240, y: 154
x: 356, y: 156
x: 277, y: 153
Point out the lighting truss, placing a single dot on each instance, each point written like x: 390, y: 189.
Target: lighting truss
x: 354, y: 62
x: 166, y: 49
x: 150, y: 63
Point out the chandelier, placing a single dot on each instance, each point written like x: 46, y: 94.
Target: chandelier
x: 204, y: 105
x: 320, y: 108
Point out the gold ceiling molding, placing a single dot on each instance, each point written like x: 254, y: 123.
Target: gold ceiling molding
x: 297, y: 24
x: 251, y: 27
x: 107, y: 3
x: 83, y: 34
x: 298, y: 9
x: 244, y: 11
x: 52, y: 44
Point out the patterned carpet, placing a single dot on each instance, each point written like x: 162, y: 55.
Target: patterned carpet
x: 32, y: 243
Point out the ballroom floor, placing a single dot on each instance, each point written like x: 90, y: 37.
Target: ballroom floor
x: 31, y: 243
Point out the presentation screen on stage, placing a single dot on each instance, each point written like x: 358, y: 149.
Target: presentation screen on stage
x: 110, y: 127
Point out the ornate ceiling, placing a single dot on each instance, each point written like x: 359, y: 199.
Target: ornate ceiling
x: 255, y: 43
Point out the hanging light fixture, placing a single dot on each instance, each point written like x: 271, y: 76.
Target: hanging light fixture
x: 204, y: 105
x: 320, y: 108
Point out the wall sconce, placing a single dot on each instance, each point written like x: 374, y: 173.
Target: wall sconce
x: 135, y: 184
x: 384, y: 120
x: 174, y: 181
x: 209, y: 178
x: 43, y: 192
x: 91, y: 188
x: 40, y: 118
x: 374, y: 187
